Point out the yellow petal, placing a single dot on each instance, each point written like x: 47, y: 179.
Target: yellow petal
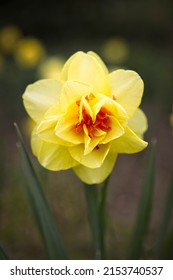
x: 65, y: 69
x: 72, y: 92
x: 99, y: 60
x: 86, y: 69
x: 65, y: 128
x: 53, y: 113
x: 96, y: 175
x: 138, y: 123
x: 128, y: 143
x: 52, y: 156
x: 112, y: 106
x: 92, y: 160
x: 38, y: 97
x: 115, y: 132
x: 91, y: 143
x: 46, y: 131
x: 127, y: 89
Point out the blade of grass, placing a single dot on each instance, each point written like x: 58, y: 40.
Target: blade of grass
x: 144, y: 212
x: 41, y: 211
x: 167, y: 214
x: 3, y: 254
x: 91, y: 195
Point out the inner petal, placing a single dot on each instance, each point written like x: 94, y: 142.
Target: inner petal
x: 91, y: 143
x: 91, y: 125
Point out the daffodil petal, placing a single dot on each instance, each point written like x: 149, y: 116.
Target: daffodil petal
x: 115, y: 131
x: 91, y: 143
x: 38, y: 97
x: 128, y: 143
x: 127, y: 89
x: 138, y: 123
x: 53, y: 113
x: 113, y: 107
x: 85, y: 68
x: 72, y: 92
x: 92, y: 160
x: 52, y: 156
x: 99, y: 60
x: 46, y: 131
x: 96, y: 175
x: 66, y: 127
x: 65, y: 69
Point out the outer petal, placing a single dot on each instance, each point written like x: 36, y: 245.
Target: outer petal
x: 92, y: 160
x: 46, y: 131
x: 128, y: 143
x: 38, y: 97
x: 52, y: 156
x: 127, y: 88
x: 100, y: 61
x: 85, y: 68
x: 65, y: 69
x: 138, y: 123
x: 96, y: 175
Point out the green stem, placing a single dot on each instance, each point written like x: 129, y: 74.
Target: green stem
x: 102, y: 215
x: 96, y: 216
x: 91, y: 195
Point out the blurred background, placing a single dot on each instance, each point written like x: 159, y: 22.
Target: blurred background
x: 36, y: 37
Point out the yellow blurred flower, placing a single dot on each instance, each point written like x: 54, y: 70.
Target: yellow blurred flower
x: 51, y: 68
x: 115, y: 50
x: 86, y: 118
x: 29, y: 52
x: 9, y: 36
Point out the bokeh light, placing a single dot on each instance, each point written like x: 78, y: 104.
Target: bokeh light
x: 9, y: 36
x: 29, y: 52
x: 51, y: 67
x: 115, y: 50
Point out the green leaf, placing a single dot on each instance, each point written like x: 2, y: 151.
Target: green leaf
x: 144, y: 211
x: 3, y: 254
x: 161, y: 244
x: 41, y: 211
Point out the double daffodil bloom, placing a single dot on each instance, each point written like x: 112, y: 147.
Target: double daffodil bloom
x: 83, y: 120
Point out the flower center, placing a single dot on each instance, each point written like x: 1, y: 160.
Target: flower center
x: 102, y: 122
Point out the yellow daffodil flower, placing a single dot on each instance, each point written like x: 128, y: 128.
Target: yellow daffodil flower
x: 88, y: 116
